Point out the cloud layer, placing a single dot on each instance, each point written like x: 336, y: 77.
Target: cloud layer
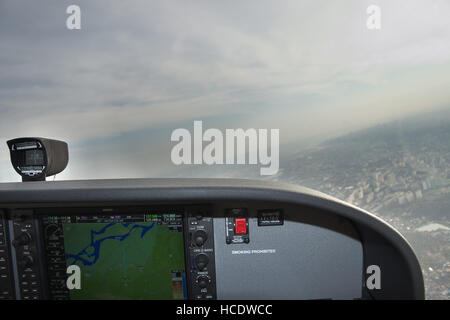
x: 310, y: 68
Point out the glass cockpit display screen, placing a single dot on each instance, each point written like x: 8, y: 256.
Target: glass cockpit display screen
x: 132, y: 256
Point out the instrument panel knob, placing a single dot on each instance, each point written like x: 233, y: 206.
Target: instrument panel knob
x: 200, y: 237
x: 22, y: 239
x: 26, y: 262
x: 201, y: 261
x: 203, y: 281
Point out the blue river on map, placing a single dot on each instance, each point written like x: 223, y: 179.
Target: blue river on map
x: 96, y: 243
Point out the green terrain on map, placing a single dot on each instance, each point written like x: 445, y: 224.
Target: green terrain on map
x: 134, y: 268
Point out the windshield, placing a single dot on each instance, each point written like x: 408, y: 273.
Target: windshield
x: 349, y: 99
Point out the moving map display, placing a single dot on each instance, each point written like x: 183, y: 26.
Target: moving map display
x: 120, y: 256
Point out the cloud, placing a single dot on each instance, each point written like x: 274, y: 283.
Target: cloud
x: 308, y: 67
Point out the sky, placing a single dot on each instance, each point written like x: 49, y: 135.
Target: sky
x: 137, y: 70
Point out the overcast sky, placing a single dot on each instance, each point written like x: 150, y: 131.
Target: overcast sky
x: 137, y: 70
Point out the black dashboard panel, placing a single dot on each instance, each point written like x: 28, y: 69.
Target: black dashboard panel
x: 196, y: 239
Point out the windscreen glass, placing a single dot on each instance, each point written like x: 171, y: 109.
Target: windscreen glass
x: 350, y: 98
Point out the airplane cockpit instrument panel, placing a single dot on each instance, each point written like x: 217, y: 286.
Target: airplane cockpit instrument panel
x: 200, y: 239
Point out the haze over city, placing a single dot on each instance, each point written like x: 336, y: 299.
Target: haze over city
x: 136, y: 71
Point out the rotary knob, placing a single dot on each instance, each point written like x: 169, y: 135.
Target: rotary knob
x: 22, y: 239
x: 201, y: 261
x: 203, y: 281
x: 200, y: 237
x: 26, y: 262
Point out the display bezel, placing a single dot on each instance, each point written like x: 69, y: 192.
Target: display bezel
x: 42, y: 213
